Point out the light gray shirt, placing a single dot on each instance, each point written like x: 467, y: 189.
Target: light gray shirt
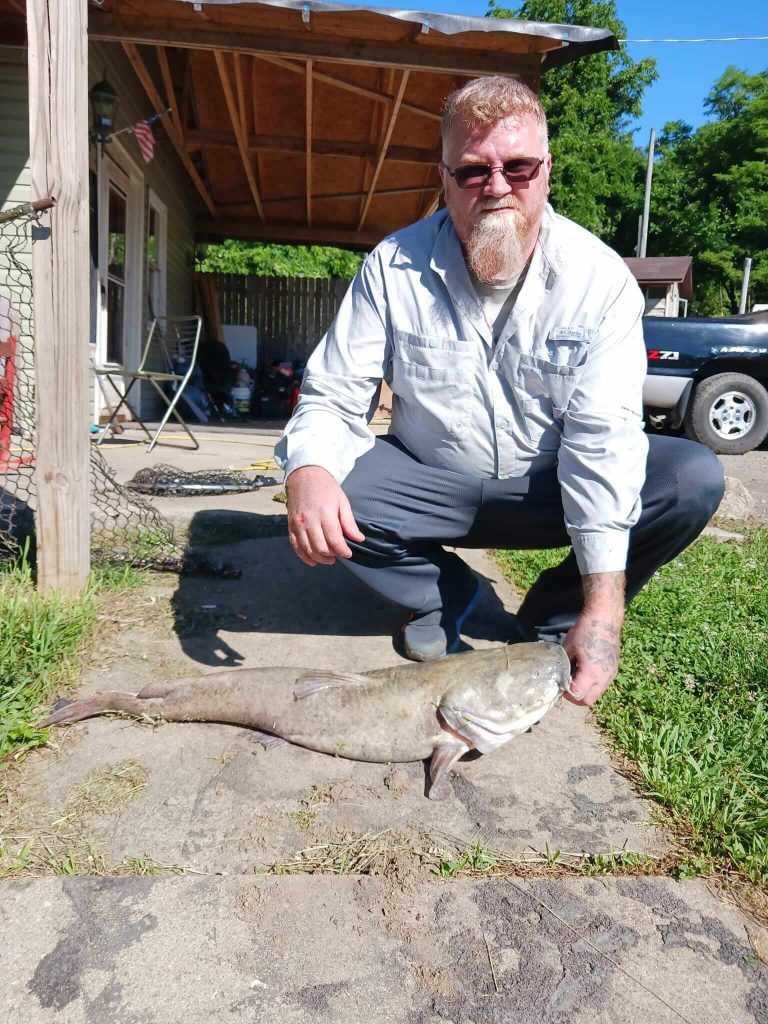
x: 560, y: 386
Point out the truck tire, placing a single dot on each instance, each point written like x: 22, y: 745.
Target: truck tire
x: 728, y: 413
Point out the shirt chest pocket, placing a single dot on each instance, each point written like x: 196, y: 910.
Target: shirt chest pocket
x: 435, y: 375
x: 545, y: 382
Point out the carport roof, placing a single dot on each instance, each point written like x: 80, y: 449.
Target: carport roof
x: 310, y: 121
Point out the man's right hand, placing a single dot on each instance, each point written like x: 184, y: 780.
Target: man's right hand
x: 319, y: 517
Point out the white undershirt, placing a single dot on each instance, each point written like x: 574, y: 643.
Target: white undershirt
x: 497, y: 298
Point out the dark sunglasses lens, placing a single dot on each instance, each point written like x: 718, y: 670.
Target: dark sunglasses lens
x: 521, y: 170
x: 472, y: 175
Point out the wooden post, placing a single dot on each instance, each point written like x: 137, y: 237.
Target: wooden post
x: 58, y: 129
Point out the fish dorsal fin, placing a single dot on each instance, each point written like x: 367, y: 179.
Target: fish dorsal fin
x: 314, y: 682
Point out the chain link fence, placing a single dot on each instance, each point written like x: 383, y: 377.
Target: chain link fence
x: 125, y: 528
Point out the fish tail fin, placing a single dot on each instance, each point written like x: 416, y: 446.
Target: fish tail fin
x: 96, y: 704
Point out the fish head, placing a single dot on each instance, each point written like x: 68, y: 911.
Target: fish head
x: 506, y: 695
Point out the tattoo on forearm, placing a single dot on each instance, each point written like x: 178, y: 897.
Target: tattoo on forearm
x: 601, y: 644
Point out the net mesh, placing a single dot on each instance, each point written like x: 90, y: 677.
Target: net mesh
x: 125, y: 528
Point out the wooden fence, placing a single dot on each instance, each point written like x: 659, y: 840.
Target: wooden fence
x: 290, y: 314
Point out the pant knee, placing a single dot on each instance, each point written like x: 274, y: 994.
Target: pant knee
x: 704, y: 482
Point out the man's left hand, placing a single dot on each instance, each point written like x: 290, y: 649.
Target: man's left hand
x: 594, y: 642
x: 593, y: 647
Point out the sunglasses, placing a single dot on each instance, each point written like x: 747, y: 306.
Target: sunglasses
x: 478, y: 175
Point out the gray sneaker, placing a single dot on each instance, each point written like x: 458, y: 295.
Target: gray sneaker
x: 435, y: 634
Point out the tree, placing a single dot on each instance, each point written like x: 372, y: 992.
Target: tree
x: 710, y: 193
x: 597, y: 174
x: 237, y: 257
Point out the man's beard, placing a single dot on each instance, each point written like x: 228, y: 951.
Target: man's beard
x: 498, y: 244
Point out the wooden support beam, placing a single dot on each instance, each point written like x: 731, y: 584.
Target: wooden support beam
x: 195, y: 138
x: 297, y: 234
x: 165, y: 71
x: 178, y: 143
x: 256, y: 112
x: 434, y: 204
x: 239, y: 210
x: 110, y: 28
x: 360, y: 90
x: 384, y: 145
x: 234, y: 117
x: 58, y: 122
x: 309, y: 113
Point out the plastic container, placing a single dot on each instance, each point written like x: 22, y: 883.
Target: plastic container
x: 242, y: 399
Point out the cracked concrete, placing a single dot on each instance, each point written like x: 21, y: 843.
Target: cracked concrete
x: 226, y: 942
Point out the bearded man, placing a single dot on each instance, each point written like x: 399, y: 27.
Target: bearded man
x: 512, y: 340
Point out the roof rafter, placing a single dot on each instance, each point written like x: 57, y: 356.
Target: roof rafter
x: 165, y: 71
x: 195, y: 138
x: 309, y: 116
x: 234, y: 116
x: 341, y: 83
x: 154, y: 97
x: 384, y: 145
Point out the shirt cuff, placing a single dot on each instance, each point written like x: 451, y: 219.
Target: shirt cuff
x: 600, y: 552
x: 307, y: 455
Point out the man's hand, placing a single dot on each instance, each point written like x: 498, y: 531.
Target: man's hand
x: 594, y: 642
x: 319, y: 517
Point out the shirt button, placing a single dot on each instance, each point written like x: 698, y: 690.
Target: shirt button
x: 494, y: 365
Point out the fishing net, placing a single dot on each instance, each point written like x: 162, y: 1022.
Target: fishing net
x: 125, y: 528
x: 166, y: 480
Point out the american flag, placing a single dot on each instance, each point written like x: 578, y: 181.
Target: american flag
x: 146, y: 140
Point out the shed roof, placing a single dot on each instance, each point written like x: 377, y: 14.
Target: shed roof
x: 664, y: 270
x: 313, y: 121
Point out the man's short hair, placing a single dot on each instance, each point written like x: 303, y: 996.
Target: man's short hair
x: 484, y: 102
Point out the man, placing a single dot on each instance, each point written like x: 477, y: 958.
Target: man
x: 512, y: 339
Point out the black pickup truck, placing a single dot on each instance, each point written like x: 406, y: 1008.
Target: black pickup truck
x: 709, y: 376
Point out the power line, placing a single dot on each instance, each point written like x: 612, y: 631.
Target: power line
x: 714, y: 39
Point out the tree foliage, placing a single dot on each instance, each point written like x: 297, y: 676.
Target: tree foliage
x: 238, y: 257
x: 710, y: 193
x: 597, y: 174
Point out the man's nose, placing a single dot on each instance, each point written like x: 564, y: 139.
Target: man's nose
x: 497, y: 185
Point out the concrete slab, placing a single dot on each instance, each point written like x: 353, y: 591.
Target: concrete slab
x: 394, y: 944
x: 216, y: 801
x: 391, y: 948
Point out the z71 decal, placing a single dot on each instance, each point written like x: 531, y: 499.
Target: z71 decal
x: 657, y: 353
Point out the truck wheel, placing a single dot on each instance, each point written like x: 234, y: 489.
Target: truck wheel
x: 729, y: 413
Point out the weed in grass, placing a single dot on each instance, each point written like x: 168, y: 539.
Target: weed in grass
x: 690, y: 704
x: 41, y: 636
x: 475, y: 859
x: 307, y: 816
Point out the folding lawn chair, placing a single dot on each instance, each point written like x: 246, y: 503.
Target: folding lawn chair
x: 168, y: 359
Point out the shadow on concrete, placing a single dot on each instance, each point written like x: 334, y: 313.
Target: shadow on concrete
x: 276, y: 594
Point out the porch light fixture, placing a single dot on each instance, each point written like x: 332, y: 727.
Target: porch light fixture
x: 104, y: 102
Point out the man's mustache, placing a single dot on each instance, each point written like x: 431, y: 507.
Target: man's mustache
x: 505, y: 203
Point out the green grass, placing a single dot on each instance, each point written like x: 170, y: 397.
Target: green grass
x: 42, y: 637
x: 690, y: 703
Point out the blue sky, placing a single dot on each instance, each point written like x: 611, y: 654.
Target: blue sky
x: 687, y: 71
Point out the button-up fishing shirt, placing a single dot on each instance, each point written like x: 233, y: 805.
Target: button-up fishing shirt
x: 560, y: 384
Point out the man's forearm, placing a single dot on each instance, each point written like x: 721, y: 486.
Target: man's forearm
x: 602, y: 617
x: 604, y: 592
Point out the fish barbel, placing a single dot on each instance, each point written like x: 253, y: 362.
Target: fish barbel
x: 439, y: 709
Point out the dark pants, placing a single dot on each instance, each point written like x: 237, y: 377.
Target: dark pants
x: 407, y: 511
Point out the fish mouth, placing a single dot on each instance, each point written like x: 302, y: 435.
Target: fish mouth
x: 485, y: 734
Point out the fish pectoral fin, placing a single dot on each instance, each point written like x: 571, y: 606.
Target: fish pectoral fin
x: 314, y: 682
x: 444, y: 756
x: 268, y: 740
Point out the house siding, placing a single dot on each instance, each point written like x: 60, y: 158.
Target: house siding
x: 167, y: 179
